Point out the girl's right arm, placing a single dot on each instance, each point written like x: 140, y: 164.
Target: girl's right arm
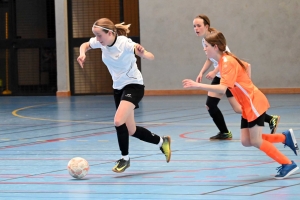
x: 83, y: 48
x: 206, y: 65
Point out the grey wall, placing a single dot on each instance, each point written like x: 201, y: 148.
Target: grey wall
x: 265, y: 33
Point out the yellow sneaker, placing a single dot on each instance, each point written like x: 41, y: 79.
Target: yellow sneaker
x: 222, y: 136
x: 121, y: 165
x: 166, y: 147
x: 274, y: 123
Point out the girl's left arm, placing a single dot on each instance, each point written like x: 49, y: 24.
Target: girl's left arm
x: 141, y: 52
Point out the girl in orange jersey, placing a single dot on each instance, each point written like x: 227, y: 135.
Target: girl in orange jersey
x: 235, y: 77
x: 201, y: 25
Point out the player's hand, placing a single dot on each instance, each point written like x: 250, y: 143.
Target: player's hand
x: 199, y: 78
x: 210, y: 75
x: 140, y: 48
x: 81, y: 60
x: 188, y: 83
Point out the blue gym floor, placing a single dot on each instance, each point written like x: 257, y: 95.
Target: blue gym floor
x: 39, y: 135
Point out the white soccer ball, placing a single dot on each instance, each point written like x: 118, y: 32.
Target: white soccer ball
x: 78, y: 167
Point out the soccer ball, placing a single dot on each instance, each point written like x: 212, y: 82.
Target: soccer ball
x: 78, y: 167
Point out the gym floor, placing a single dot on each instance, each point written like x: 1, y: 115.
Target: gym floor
x: 40, y: 134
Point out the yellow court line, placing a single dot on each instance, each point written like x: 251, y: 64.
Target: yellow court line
x: 55, y: 120
x: 14, y: 113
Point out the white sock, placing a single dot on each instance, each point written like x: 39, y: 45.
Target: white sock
x: 125, y: 157
x: 160, y: 142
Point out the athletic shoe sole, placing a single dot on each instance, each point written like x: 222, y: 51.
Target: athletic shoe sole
x: 221, y: 139
x: 288, y: 174
x: 122, y: 170
x: 169, y: 139
x: 294, y: 141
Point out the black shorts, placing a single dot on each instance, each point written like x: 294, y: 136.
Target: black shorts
x: 260, y: 121
x: 216, y: 81
x: 132, y: 93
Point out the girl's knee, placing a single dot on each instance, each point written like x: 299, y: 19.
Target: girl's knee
x: 246, y: 143
x: 118, y: 122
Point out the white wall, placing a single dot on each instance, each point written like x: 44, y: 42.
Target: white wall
x: 265, y: 33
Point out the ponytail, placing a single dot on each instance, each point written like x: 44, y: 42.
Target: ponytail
x: 237, y: 59
x: 217, y: 38
x: 211, y: 29
x: 122, y: 29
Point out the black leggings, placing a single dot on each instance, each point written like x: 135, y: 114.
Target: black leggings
x: 216, y: 81
x: 216, y: 114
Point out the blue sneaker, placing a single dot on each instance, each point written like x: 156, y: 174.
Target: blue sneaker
x: 286, y: 170
x: 290, y: 140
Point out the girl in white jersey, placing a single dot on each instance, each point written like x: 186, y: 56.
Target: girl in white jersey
x: 201, y: 27
x: 118, y: 54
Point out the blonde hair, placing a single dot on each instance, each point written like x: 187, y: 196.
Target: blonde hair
x: 107, y: 25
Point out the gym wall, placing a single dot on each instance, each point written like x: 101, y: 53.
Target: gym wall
x: 264, y: 33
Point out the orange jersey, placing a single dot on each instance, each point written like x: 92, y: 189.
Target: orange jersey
x: 254, y: 103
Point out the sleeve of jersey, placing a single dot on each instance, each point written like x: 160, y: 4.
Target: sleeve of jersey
x: 203, y: 42
x: 94, y: 44
x: 228, y: 73
x: 129, y: 45
x: 227, y: 48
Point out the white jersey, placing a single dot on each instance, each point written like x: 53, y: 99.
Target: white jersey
x: 215, y: 63
x: 120, y: 61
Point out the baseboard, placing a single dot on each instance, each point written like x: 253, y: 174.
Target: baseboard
x: 280, y: 90
x: 63, y: 93
x: 199, y: 92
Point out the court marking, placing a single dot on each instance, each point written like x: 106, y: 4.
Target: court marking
x: 207, y: 181
x: 15, y: 113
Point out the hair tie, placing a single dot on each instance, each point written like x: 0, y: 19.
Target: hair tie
x: 102, y: 28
